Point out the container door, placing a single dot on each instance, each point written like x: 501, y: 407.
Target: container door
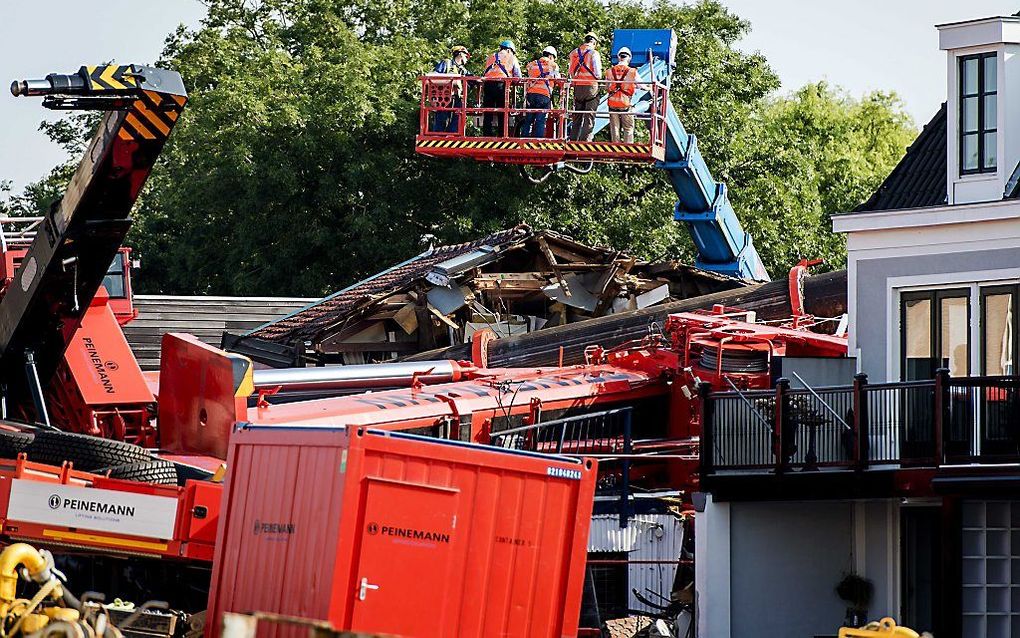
x: 401, y: 575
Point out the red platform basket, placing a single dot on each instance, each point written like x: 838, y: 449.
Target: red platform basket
x: 462, y: 136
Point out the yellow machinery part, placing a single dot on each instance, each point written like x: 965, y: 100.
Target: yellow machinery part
x: 885, y: 628
x: 33, y: 623
x: 10, y: 559
x: 62, y: 613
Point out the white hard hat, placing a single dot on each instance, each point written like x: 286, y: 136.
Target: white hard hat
x: 551, y: 50
x: 624, y: 50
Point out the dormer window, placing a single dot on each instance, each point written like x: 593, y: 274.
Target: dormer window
x: 978, y: 114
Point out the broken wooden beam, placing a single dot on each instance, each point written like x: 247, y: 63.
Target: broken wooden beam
x: 824, y: 296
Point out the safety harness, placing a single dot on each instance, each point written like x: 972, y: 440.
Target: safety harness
x: 496, y: 62
x: 449, y: 66
x: 542, y: 73
x: 620, y: 88
x: 581, y: 62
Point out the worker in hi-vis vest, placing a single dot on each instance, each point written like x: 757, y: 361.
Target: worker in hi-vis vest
x: 622, y: 85
x: 585, y: 72
x: 448, y: 121
x: 538, y: 94
x: 500, y: 65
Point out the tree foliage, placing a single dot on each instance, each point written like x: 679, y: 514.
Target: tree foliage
x: 292, y: 170
x: 805, y: 157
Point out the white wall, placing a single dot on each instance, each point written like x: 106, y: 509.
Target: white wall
x: 712, y: 572
x: 926, y: 247
x: 770, y: 569
x: 997, y: 35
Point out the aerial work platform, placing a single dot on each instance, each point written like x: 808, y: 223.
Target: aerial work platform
x: 452, y: 123
x: 450, y: 127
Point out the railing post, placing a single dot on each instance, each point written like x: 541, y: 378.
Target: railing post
x: 707, y: 409
x: 505, y: 115
x: 462, y: 124
x: 625, y: 479
x: 861, y: 429
x: 781, y: 423
x: 942, y: 411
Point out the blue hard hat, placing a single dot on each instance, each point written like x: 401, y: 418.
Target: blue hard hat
x: 508, y: 44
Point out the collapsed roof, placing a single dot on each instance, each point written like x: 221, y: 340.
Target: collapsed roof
x: 514, y: 281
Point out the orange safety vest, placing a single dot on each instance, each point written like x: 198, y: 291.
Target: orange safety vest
x: 620, y: 93
x: 582, y: 65
x: 502, y: 64
x: 542, y: 68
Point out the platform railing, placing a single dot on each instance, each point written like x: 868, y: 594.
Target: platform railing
x: 606, y: 435
x: 605, y: 432
x: 928, y: 424
x: 453, y: 107
x: 18, y: 232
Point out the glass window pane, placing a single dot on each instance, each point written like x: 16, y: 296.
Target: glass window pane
x: 991, y: 79
x: 970, y: 152
x: 997, y: 330
x: 969, y: 76
x: 970, y: 114
x: 991, y: 113
x: 991, y: 150
x: 954, y: 336
x: 114, y: 285
x: 917, y: 339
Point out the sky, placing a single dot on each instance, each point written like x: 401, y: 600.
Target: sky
x: 861, y: 45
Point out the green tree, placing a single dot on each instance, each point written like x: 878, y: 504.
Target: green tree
x: 807, y: 156
x: 292, y: 170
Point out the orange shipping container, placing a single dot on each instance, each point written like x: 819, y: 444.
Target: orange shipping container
x: 399, y: 534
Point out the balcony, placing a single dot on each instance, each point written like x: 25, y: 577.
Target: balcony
x: 939, y: 424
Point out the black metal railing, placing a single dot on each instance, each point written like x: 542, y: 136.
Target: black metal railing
x: 744, y: 424
x: 946, y: 420
x: 606, y: 435
x: 605, y: 432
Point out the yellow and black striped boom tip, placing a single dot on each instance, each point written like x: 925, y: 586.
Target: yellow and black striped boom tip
x: 102, y: 81
x: 152, y: 99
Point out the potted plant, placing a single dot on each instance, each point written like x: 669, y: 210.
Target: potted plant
x: 856, y: 591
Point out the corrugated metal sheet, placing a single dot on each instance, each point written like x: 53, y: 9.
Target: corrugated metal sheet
x: 647, y: 537
x: 204, y: 317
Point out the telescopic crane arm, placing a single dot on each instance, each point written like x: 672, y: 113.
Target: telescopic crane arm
x: 703, y: 205
x: 80, y: 236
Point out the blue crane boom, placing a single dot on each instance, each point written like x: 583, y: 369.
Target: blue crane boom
x: 703, y: 206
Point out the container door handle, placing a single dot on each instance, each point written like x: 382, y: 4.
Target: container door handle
x: 365, y: 586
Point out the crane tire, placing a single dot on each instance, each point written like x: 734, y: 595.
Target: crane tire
x: 155, y: 471
x: 85, y: 452
x: 13, y: 443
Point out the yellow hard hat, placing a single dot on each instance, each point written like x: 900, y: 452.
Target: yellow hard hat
x: 460, y: 49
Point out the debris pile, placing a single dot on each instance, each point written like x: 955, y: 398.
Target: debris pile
x: 513, y: 282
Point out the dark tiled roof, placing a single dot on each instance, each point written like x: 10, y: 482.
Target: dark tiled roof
x: 920, y: 178
x: 323, y: 315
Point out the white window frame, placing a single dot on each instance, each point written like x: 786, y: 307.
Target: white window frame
x: 973, y: 281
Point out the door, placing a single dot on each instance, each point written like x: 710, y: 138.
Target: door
x: 401, y: 577
x: 999, y: 406
x: 921, y: 555
x: 935, y: 333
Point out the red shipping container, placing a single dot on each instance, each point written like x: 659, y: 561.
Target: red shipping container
x: 399, y: 534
